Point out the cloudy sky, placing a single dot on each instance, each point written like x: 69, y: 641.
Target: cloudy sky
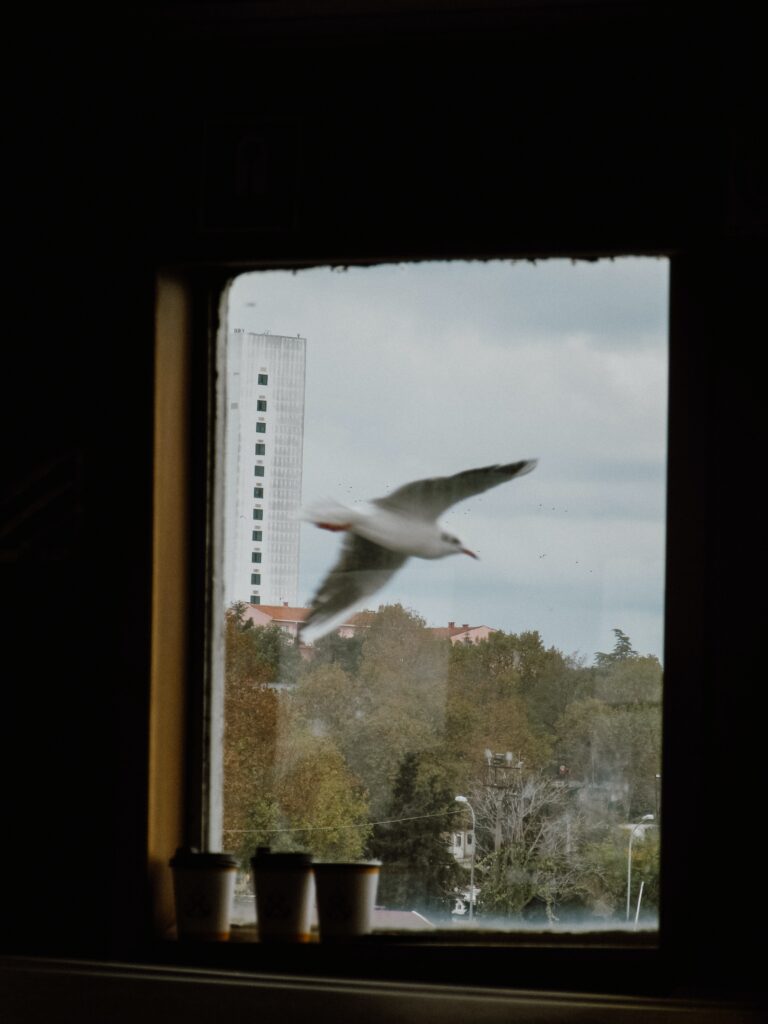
x: 418, y: 370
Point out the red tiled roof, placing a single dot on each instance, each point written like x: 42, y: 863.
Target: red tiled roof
x: 281, y: 613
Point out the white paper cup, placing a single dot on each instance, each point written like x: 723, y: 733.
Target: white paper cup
x: 346, y: 896
x: 284, y: 888
x: 203, y: 888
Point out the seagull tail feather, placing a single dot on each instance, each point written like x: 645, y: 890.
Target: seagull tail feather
x: 329, y: 513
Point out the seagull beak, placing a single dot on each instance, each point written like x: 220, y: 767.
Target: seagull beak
x: 466, y: 551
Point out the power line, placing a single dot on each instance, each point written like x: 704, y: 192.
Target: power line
x: 329, y: 828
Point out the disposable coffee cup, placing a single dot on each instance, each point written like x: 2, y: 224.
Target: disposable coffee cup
x: 203, y: 888
x: 346, y: 897
x: 284, y: 888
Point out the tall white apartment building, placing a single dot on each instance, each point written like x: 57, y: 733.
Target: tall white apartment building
x: 264, y: 447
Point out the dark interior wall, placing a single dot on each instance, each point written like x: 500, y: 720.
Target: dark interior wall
x: 193, y: 133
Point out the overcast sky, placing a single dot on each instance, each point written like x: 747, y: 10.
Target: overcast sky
x: 417, y: 370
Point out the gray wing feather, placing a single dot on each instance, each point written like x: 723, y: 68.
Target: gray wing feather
x: 362, y: 569
x: 428, y: 498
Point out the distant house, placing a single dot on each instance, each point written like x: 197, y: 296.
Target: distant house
x: 462, y: 846
x: 289, y: 619
x: 464, y: 634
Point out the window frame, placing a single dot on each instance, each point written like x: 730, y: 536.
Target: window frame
x: 480, y: 958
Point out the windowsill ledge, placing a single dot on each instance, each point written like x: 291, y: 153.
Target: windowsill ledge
x: 119, y: 992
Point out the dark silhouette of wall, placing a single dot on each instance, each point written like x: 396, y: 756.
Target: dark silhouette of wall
x: 199, y: 133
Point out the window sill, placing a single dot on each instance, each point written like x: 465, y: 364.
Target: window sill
x: 616, y: 962
x: 119, y: 992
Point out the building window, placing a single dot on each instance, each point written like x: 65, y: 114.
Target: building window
x: 255, y: 556
x: 258, y: 492
x: 260, y: 448
x: 261, y: 405
x: 261, y: 428
x: 263, y: 378
x: 258, y: 471
x: 255, y: 579
x: 256, y: 535
x: 255, y: 599
x: 258, y: 513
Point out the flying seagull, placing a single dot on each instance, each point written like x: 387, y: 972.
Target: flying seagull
x: 379, y: 540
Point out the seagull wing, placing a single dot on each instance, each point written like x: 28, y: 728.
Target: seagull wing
x: 362, y: 569
x: 426, y: 499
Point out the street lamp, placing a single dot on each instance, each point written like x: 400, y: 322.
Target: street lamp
x: 645, y: 817
x: 463, y: 800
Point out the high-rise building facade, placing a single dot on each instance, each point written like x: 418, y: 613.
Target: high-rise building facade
x: 264, y: 448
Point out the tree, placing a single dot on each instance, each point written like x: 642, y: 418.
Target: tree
x: 345, y: 652
x: 251, y: 709
x: 398, y: 697
x: 322, y: 806
x: 283, y: 785
x: 418, y: 869
x: 622, y: 650
x: 603, y: 873
x: 537, y: 830
x: 328, y: 698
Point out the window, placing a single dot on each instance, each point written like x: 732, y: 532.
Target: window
x: 255, y: 579
x: 258, y: 492
x: 256, y: 535
x: 261, y: 428
x: 263, y: 378
x: 260, y: 448
x: 258, y: 513
x: 261, y: 405
x: 571, y: 559
x: 258, y: 471
x: 255, y: 599
x: 255, y: 556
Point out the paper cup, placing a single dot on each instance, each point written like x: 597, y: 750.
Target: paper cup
x: 203, y: 888
x: 284, y: 889
x: 346, y: 896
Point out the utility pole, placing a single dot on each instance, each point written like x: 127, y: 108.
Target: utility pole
x: 501, y: 772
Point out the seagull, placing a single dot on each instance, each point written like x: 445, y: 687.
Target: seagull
x: 380, y: 539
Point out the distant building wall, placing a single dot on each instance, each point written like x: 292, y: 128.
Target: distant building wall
x: 264, y: 453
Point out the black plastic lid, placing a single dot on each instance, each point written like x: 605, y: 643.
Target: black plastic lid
x: 264, y: 858
x: 190, y: 857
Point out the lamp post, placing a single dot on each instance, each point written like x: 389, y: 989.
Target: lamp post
x: 645, y: 817
x: 463, y: 800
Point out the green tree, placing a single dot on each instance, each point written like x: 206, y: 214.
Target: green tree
x: 345, y: 652
x: 284, y: 786
x: 418, y: 869
x: 612, y: 742
x: 398, y: 699
x: 622, y: 650
x: 328, y: 698
x: 322, y: 806
x: 603, y: 874
x: 486, y: 707
x: 251, y: 709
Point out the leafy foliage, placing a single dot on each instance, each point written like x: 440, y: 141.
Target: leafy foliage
x: 421, y: 872
x: 556, y: 757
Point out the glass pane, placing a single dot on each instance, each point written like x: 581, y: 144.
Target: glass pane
x: 488, y: 727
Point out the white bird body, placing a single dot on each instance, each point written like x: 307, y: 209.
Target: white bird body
x: 382, y: 536
x: 410, y: 535
x: 407, y: 534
